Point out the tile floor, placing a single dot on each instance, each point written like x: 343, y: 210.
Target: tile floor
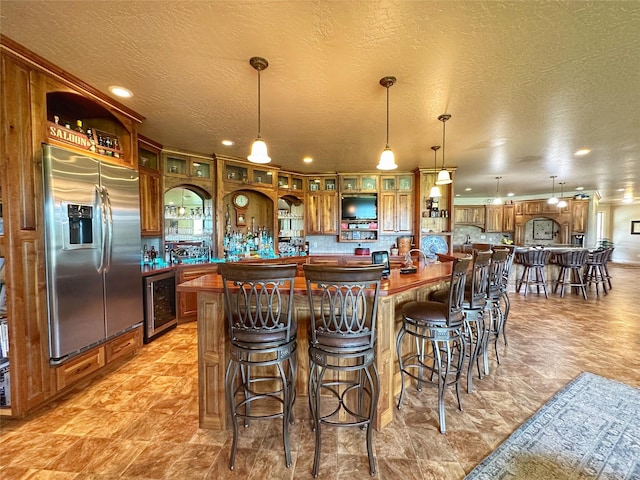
x: 141, y: 421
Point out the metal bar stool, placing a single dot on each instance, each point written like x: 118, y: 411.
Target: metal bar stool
x: 534, y: 261
x: 571, y: 265
x: 496, y: 293
x: 505, y: 291
x: 341, y: 349
x: 439, y: 342
x: 258, y: 308
x: 474, y: 306
x: 596, y: 273
x: 606, y: 268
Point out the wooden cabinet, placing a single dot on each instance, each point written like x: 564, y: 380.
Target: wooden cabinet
x: 395, y: 204
x: 242, y: 174
x: 493, y: 218
x: 508, y: 218
x: 183, y: 165
x: 355, y: 182
x: 534, y: 207
x: 188, y: 301
x: 322, y: 213
x: 290, y: 183
x: 579, y: 215
x: 35, y: 92
x: 433, y: 216
x: 150, y: 187
x: 469, y: 215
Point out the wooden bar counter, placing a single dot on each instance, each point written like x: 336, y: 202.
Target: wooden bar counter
x: 395, y: 291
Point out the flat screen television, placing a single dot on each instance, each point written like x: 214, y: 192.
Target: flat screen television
x: 360, y: 207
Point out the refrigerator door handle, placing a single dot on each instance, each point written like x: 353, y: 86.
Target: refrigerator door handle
x: 104, y: 231
x: 109, y: 244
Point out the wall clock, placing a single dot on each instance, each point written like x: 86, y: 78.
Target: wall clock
x: 240, y: 200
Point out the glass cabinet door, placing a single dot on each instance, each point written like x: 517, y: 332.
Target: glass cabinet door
x: 388, y: 184
x: 176, y: 165
x: 369, y: 183
x: 200, y: 169
x: 148, y: 159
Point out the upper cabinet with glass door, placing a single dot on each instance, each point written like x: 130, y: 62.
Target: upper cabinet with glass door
x: 290, y: 183
x: 178, y: 164
x: 241, y: 173
x: 359, y: 182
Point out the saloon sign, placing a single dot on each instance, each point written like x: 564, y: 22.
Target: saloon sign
x: 76, y: 139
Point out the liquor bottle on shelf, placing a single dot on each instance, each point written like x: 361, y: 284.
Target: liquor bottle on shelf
x: 67, y: 124
x: 92, y: 140
x: 116, y: 147
x: 79, y: 128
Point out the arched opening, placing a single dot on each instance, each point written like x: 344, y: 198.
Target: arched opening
x: 188, y: 213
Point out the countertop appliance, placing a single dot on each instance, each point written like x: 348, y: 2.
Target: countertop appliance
x: 92, y: 242
x: 159, y: 304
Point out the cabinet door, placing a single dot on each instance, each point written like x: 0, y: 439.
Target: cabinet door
x: 387, y: 208
x: 460, y: 215
x: 150, y: 203
x: 508, y: 218
x: 330, y: 214
x: 476, y: 215
x: 314, y: 217
x: 404, y: 212
x: 493, y: 218
x: 579, y: 209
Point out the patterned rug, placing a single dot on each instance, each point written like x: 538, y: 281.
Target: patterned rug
x: 590, y: 429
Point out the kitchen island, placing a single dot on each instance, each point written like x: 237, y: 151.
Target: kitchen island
x: 395, y: 291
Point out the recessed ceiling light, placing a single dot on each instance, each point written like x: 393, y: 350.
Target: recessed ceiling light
x: 510, y: 194
x: 467, y: 189
x: 307, y: 159
x: 121, y: 91
x: 627, y: 198
x: 620, y: 190
x: 583, y: 151
x: 227, y: 143
x: 579, y: 188
x: 457, y: 194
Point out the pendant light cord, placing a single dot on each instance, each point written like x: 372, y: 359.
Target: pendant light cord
x: 258, y: 102
x: 387, y: 146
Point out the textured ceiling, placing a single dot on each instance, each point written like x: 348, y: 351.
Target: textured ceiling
x: 527, y: 83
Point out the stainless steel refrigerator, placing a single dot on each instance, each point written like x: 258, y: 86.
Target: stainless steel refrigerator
x: 92, y: 240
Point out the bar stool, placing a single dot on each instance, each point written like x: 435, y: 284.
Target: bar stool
x: 534, y: 261
x: 258, y: 308
x: 496, y: 293
x: 473, y: 307
x: 596, y: 273
x: 341, y: 349
x: 505, y: 291
x: 438, y: 326
x: 605, y: 264
x: 571, y: 265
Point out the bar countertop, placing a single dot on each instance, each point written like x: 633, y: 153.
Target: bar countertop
x: 396, y: 283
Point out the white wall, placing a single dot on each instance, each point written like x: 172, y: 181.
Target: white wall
x: 617, y: 226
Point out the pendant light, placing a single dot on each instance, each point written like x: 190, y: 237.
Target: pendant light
x: 562, y: 203
x: 497, y: 200
x: 553, y: 200
x: 443, y: 176
x: 387, y: 158
x: 435, y: 191
x: 259, y: 148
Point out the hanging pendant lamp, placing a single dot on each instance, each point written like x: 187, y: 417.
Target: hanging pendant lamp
x: 553, y: 200
x: 443, y: 176
x: 497, y: 200
x: 562, y: 203
x: 259, y: 148
x: 182, y: 210
x: 387, y: 158
x: 435, y: 191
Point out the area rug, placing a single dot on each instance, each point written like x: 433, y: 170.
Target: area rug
x: 589, y: 430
